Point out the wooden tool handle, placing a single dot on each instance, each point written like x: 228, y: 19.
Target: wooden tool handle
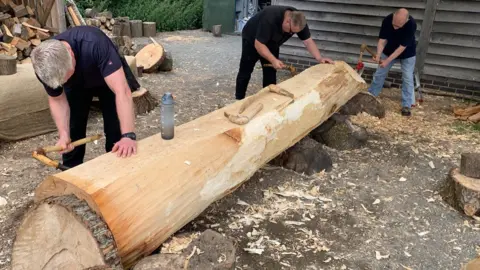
x: 251, y: 113
x: 365, y: 47
x: 154, y: 42
x: 58, y: 148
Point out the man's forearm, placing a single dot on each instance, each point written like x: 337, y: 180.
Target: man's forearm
x: 264, y: 51
x: 312, y: 49
x: 125, y: 110
x: 396, y: 53
x: 381, y: 46
x: 61, y: 114
x: 123, y: 100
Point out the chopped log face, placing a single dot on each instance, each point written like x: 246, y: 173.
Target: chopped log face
x: 151, y: 57
x: 148, y: 197
x: 20, y: 11
x: 470, y: 165
x: 7, y: 35
x: 42, y: 35
x: 71, y: 218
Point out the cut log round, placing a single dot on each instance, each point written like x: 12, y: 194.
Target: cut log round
x: 137, y: 28
x: 151, y: 57
x: 117, y: 29
x: 149, y: 29
x: 146, y: 198
x: 470, y: 165
x: 462, y: 192
x: 91, y: 12
x: 24, y: 109
x: 64, y: 233
x: 8, y: 65
x: 125, y: 22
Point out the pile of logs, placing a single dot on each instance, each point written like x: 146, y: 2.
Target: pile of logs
x: 102, y: 20
x: 471, y: 113
x: 20, y: 31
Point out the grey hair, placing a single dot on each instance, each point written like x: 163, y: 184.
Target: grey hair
x: 51, y: 61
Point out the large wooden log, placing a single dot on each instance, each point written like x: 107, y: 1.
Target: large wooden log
x: 146, y: 198
x: 24, y: 110
x: 8, y: 65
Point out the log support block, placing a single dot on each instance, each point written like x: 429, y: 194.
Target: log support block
x: 462, y: 192
x: 470, y: 165
x: 136, y: 27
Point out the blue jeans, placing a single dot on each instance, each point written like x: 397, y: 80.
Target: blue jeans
x: 408, y: 91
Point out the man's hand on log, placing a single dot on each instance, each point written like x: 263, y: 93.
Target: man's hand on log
x: 277, y: 64
x: 324, y: 60
x: 125, y: 147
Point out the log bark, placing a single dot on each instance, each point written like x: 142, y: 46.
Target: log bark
x: 20, y: 11
x: 470, y: 165
x: 148, y: 197
x: 125, y: 22
x: 137, y: 28
x: 149, y: 29
x: 167, y: 64
x: 24, y: 110
x: 117, y: 29
x: 8, y: 65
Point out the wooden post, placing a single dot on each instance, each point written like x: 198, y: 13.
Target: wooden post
x: 425, y: 33
x: 149, y: 29
x: 137, y: 28
x: 470, y: 165
x: 8, y: 65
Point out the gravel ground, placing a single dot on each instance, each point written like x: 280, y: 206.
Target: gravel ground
x: 378, y: 209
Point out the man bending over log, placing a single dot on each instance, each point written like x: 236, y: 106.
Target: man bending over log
x: 397, y: 43
x: 75, y: 66
x: 262, y: 37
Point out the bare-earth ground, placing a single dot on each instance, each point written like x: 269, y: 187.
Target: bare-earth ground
x: 379, y: 208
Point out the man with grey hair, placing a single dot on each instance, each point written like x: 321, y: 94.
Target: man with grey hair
x: 75, y: 66
x: 262, y: 37
x: 397, y: 43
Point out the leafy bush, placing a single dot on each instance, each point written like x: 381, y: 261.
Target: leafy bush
x: 168, y: 14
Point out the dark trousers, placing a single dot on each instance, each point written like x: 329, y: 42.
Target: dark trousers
x: 249, y: 58
x: 80, y: 101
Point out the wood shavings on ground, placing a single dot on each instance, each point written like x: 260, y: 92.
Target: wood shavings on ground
x: 178, y: 243
x: 379, y: 256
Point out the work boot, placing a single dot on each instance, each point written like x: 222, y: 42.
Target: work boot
x: 406, y: 111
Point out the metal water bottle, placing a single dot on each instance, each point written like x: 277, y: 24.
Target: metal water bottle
x: 167, y: 116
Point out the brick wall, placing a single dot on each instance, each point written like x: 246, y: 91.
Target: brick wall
x: 395, y: 79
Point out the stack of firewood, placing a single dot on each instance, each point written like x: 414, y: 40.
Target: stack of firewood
x: 20, y: 31
x: 103, y: 20
x: 471, y: 113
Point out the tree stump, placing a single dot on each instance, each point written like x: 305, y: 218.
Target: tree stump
x: 167, y: 64
x: 8, y: 65
x: 339, y: 133
x: 137, y: 28
x: 307, y: 156
x: 217, y: 30
x: 149, y: 29
x: 363, y: 102
x: 117, y: 29
x: 461, y: 191
x: 470, y: 165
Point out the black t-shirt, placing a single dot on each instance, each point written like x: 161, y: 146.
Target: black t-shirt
x: 404, y: 36
x: 96, y: 57
x: 266, y: 27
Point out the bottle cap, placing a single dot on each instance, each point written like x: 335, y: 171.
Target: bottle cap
x: 167, y: 98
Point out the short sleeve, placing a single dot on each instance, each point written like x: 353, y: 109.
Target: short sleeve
x: 305, y: 33
x: 384, y: 29
x: 50, y: 91
x: 107, y: 58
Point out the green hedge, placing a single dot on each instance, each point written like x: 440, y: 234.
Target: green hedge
x: 168, y: 14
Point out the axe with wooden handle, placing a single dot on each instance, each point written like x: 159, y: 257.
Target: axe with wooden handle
x: 41, y: 153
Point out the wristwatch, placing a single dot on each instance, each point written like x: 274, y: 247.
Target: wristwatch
x: 130, y: 135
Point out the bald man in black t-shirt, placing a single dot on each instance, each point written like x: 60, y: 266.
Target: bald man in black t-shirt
x: 262, y: 37
x: 74, y: 66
